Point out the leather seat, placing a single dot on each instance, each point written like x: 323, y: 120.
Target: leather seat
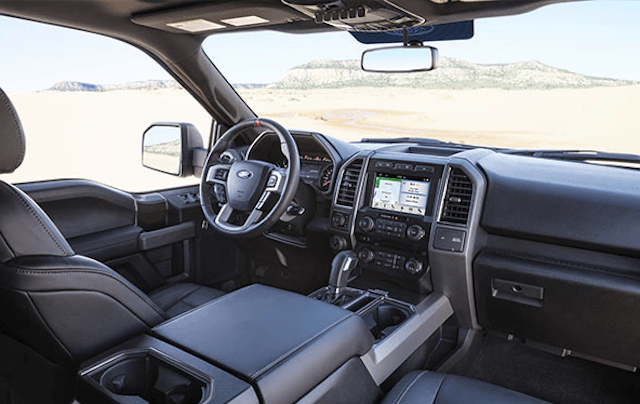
x: 424, y: 387
x: 60, y: 308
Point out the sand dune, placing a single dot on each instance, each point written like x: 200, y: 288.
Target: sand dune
x: 98, y: 135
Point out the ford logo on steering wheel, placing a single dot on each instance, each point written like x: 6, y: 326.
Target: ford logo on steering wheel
x: 244, y: 174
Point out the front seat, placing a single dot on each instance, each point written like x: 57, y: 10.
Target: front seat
x: 425, y: 387
x: 59, y: 308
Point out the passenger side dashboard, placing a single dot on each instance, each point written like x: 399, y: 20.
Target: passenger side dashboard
x: 534, y: 248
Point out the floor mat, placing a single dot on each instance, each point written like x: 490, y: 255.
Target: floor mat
x: 568, y: 380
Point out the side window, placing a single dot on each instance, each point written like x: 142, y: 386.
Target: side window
x: 84, y: 102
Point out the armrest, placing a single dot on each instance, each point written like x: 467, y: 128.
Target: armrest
x: 281, y: 342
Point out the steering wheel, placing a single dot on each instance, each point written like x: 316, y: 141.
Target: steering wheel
x: 247, y: 187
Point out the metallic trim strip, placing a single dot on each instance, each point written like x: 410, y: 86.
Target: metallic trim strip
x: 387, y: 355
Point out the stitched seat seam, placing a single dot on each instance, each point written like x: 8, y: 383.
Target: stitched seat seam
x: 85, y: 271
x: 9, y: 107
x: 36, y: 216
x: 407, y: 388
x: 435, y: 398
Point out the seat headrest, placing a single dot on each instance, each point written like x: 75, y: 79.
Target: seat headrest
x: 12, y: 142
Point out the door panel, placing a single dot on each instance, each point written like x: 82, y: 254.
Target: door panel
x: 150, y: 239
x: 80, y: 208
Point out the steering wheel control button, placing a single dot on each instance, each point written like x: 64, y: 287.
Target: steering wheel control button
x: 220, y: 192
x: 221, y: 174
x: 449, y: 240
x: 273, y: 180
x: 415, y: 233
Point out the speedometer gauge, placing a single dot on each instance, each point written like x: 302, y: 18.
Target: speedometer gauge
x: 325, y: 178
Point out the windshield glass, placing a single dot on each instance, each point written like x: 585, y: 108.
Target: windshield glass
x: 565, y: 76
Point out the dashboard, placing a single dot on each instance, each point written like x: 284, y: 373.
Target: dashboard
x: 541, y: 249
x: 317, y: 158
x: 504, y: 237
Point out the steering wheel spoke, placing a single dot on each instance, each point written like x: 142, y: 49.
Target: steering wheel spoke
x: 277, y: 181
x: 225, y: 214
x: 218, y: 173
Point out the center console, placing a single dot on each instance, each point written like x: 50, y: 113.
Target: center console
x: 398, y: 327
x: 391, y: 214
x: 257, y: 344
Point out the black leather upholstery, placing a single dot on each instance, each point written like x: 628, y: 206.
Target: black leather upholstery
x: 25, y: 229
x: 177, y: 298
x: 70, y: 308
x: 272, y: 338
x: 423, y: 387
x: 12, y: 144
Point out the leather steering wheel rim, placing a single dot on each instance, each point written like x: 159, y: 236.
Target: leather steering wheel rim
x: 285, y: 187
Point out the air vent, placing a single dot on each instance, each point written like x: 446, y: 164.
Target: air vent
x: 457, y: 201
x: 349, y: 184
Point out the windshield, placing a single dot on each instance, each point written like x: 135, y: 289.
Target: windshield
x: 565, y: 76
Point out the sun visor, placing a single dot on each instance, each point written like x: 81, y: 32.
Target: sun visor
x: 443, y: 32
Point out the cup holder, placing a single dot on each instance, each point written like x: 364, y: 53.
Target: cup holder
x: 385, y: 317
x: 143, y: 378
x: 381, y: 314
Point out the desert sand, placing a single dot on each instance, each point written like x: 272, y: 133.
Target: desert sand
x: 98, y: 135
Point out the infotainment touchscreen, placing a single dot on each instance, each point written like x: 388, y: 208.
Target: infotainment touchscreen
x: 400, y: 194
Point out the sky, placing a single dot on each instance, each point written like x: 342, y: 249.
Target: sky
x: 597, y: 38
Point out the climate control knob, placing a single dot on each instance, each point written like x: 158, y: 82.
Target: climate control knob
x: 413, y: 266
x: 365, y: 255
x: 366, y: 223
x: 415, y: 232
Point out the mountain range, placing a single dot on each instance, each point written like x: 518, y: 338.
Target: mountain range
x: 450, y: 74
x: 136, y: 85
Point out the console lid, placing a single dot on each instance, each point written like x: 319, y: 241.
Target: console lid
x: 281, y: 342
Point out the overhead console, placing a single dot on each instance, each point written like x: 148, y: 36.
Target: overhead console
x: 361, y: 15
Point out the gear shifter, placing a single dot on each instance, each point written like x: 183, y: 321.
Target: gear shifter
x: 343, y: 264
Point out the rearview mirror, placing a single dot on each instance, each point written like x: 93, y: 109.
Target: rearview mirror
x: 168, y: 148
x: 400, y: 59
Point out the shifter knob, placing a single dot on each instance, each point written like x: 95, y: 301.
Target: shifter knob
x: 343, y: 264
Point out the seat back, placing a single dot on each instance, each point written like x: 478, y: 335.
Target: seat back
x: 57, y: 308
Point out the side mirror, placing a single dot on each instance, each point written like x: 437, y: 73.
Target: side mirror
x: 400, y: 59
x: 168, y: 148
